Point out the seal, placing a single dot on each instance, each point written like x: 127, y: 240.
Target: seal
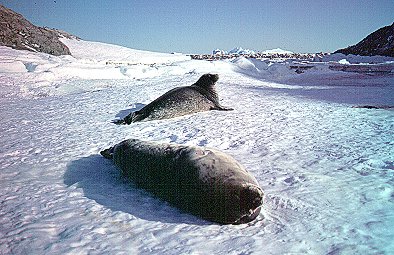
x: 198, y: 180
x: 199, y: 97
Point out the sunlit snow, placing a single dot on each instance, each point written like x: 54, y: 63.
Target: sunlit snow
x: 327, y: 169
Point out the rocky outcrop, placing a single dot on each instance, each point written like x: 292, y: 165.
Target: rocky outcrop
x: 20, y: 34
x: 386, y: 107
x: 380, y: 42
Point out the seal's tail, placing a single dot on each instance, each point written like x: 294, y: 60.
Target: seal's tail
x: 119, y: 122
x: 108, y: 153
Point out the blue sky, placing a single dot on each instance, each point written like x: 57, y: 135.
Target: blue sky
x: 201, y: 26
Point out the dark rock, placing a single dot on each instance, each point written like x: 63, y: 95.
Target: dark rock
x: 374, y: 106
x: 380, y: 42
x: 20, y: 34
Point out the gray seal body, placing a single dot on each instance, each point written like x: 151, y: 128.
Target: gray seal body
x: 201, y: 96
x: 205, y: 182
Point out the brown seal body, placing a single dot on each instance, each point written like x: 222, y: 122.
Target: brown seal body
x: 205, y: 182
x: 199, y: 97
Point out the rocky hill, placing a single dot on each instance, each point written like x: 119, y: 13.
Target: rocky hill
x: 380, y: 42
x: 20, y: 34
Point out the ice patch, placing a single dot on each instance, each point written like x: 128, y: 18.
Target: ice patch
x: 344, y: 62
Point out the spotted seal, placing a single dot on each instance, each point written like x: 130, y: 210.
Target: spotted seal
x: 199, y: 97
x: 202, y: 181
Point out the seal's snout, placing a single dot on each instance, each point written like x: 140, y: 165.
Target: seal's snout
x: 251, y: 198
x: 214, y: 77
x: 207, y: 80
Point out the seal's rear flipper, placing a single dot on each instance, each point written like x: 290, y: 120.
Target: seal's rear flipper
x: 119, y: 122
x: 133, y: 117
x: 108, y: 153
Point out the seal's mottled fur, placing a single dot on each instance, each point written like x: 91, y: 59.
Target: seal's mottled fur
x: 201, y: 96
x: 205, y: 182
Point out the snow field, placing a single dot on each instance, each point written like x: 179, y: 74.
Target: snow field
x: 326, y: 168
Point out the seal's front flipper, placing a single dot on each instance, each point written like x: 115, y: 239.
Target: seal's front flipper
x: 221, y: 108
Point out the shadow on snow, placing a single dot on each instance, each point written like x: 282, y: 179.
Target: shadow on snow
x: 101, y: 181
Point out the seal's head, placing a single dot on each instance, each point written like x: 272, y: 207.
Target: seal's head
x: 207, y: 81
x: 251, y: 199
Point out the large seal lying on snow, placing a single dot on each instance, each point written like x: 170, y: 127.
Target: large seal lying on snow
x: 199, y: 97
x: 205, y: 182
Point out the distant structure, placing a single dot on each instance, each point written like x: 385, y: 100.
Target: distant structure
x: 220, y: 55
x: 380, y: 42
x: 18, y: 33
x: 235, y: 51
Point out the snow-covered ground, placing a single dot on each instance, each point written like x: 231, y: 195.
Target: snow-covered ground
x: 327, y: 169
